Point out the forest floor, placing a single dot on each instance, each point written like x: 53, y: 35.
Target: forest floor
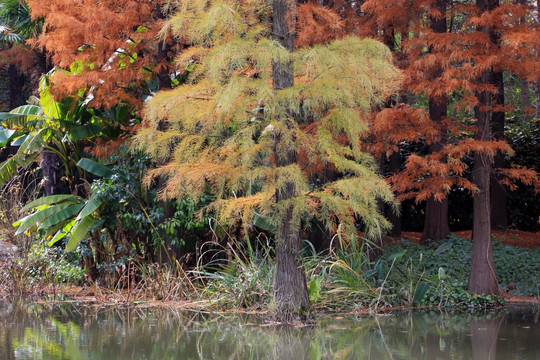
x: 524, y: 239
x: 512, y: 237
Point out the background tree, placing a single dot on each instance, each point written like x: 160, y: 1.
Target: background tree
x: 112, y: 46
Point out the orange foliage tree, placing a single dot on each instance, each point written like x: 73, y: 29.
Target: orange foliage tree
x: 111, y: 47
x: 457, y: 51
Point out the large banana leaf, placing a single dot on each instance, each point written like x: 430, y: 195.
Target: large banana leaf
x: 11, y: 166
x: 92, y: 205
x: 27, y: 110
x: 51, y: 200
x: 85, y: 131
x: 5, y: 136
x: 79, y: 232
x: 40, y: 216
x: 61, y: 216
x: 34, y: 143
x: 94, y: 168
x: 23, y: 117
x: 62, y: 232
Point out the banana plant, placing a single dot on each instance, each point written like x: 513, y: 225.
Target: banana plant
x: 66, y: 215
x: 46, y: 125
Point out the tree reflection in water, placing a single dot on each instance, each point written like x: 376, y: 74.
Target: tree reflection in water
x: 71, y: 331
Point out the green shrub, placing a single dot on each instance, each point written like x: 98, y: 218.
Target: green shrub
x: 46, y: 264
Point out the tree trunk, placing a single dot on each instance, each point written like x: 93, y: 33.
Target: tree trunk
x: 482, y: 277
x: 499, y: 201
x: 53, y: 172
x: 289, y: 291
x: 436, y: 219
x: 16, y: 87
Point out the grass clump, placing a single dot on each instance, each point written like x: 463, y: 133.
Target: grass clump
x: 238, y: 276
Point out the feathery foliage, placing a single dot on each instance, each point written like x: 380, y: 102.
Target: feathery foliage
x: 220, y: 128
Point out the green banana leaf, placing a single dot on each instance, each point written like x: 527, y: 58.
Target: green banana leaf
x: 61, y: 216
x: 94, y: 168
x: 40, y: 216
x: 79, y: 232
x: 92, y: 205
x: 11, y: 166
x: 62, y: 232
x: 51, y: 200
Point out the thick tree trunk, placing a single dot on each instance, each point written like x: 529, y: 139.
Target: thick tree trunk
x: 53, y: 172
x: 16, y: 87
x: 499, y: 201
x: 436, y: 219
x: 482, y: 277
x: 289, y: 291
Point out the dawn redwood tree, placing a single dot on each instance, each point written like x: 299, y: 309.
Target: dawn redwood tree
x: 111, y: 47
x: 254, y: 117
x: 436, y: 217
x: 466, y: 62
x: 429, y: 181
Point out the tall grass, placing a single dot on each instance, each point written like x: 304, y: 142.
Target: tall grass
x: 240, y: 276
x: 20, y: 190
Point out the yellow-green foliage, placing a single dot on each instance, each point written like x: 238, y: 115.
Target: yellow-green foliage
x: 218, y: 130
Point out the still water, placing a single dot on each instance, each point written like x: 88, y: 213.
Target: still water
x: 71, y: 331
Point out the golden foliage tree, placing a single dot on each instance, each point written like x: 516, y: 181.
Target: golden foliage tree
x: 255, y: 117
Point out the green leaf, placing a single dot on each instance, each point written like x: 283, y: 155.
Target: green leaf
x: 94, y: 168
x: 91, y: 205
x: 27, y: 110
x: 51, y: 200
x: 85, y: 131
x: 263, y: 222
x: 421, y: 291
x: 11, y: 166
x: 40, y: 216
x: 54, y: 229
x: 50, y: 106
x: 62, y: 215
x: 79, y: 232
x: 441, y: 273
x: 314, y: 289
x: 5, y: 136
x: 443, y: 247
x: 34, y: 143
x: 20, y: 140
x: 62, y: 233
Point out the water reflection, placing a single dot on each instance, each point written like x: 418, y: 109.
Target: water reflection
x: 71, y: 331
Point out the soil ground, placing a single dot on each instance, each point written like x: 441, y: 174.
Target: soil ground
x: 524, y: 239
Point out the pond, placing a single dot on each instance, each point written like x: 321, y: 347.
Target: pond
x: 75, y: 331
